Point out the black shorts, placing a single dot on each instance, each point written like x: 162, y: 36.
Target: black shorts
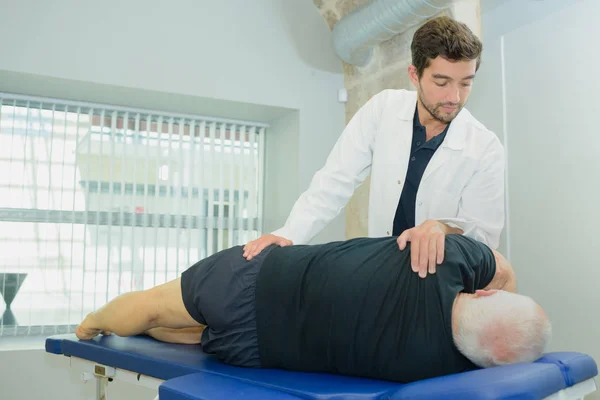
x: 218, y: 291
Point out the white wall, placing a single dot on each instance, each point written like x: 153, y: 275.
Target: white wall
x: 31, y: 374
x: 551, y: 104
x: 238, y: 54
x: 262, y: 60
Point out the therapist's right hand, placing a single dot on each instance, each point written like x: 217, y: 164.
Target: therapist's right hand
x: 254, y: 247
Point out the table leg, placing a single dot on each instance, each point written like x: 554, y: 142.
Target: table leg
x: 101, y: 388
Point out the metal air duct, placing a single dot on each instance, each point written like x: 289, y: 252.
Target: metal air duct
x: 356, y: 35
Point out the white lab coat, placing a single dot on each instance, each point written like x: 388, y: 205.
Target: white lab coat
x: 463, y: 184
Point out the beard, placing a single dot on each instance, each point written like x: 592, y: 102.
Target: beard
x: 437, y: 113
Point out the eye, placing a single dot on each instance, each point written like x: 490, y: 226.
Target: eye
x: 441, y: 84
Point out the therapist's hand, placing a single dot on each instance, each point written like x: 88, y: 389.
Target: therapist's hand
x: 427, y: 245
x: 254, y: 247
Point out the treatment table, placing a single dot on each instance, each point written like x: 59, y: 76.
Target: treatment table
x: 179, y: 372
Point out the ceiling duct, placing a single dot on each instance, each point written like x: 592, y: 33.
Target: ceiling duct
x: 358, y: 33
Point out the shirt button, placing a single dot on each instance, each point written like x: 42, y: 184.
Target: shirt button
x: 418, y: 143
x: 420, y: 203
x: 399, y: 182
x: 412, y: 159
x: 388, y: 232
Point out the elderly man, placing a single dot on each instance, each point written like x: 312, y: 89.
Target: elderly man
x: 352, y: 307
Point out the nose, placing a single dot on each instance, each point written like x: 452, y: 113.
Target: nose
x: 453, y: 95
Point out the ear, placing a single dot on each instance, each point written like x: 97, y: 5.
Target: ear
x: 484, y: 293
x: 412, y: 74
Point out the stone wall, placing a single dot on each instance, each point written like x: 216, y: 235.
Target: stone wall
x: 388, y: 69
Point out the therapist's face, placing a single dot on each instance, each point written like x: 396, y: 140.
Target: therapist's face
x: 444, y: 86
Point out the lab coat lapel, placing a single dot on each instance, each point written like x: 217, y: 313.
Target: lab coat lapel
x: 453, y: 142
x: 438, y: 159
x: 405, y: 115
x: 397, y: 153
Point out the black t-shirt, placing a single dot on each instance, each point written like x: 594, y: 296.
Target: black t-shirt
x: 356, y: 308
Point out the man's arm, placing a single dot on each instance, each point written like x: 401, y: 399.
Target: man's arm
x: 504, y: 278
x: 347, y: 166
x: 481, y: 210
x: 480, y: 215
x: 427, y: 245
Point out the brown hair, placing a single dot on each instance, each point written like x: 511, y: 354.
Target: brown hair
x: 445, y: 37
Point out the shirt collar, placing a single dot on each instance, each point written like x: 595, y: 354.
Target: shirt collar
x: 456, y: 134
x: 435, y: 141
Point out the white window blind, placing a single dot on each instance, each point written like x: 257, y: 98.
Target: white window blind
x: 97, y: 200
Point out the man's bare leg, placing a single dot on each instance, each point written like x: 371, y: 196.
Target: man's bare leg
x: 137, y: 312
x: 184, y: 335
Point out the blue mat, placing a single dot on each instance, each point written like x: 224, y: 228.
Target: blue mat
x: 189, y: 373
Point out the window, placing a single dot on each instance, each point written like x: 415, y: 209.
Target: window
x: 97, y: 200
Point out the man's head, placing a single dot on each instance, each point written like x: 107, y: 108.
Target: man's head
x: 497, y: 327
x: 445, y: 57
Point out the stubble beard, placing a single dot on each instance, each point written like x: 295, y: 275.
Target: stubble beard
x: 438, y: 115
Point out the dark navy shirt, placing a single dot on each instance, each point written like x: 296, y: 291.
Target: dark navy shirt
x: 356, y: 308
x: 421, y: 152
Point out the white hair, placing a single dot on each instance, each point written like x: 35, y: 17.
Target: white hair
x: 503, y: 328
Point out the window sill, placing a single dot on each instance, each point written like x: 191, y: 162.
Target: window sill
x: 16, y: 343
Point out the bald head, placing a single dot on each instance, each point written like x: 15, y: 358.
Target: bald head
x: 500, y: 328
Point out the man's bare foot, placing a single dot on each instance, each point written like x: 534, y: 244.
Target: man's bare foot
x: 87, y: 330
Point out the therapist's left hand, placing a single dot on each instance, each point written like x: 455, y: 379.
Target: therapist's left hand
x: 427, y: 246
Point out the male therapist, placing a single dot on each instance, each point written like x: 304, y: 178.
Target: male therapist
x: 435, y: 169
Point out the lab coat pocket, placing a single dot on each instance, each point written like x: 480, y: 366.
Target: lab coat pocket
x: 444, y: 204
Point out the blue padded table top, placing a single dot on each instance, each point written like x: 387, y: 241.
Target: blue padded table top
x: 535, y: 381
x: 208, y: 386
x: 174, y: 363
x: 576, y: 367
x: 165, y: 361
